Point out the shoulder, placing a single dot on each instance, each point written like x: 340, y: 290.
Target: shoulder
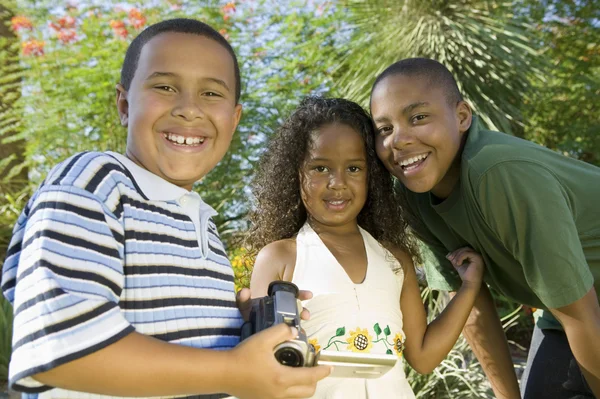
x: 278, y: 252
x: 403, y: 257
x: 85, y: 170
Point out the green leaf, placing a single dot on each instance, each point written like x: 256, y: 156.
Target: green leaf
x: 387, y: 331
x: 340, y: 331
x: 389, y: 352
x: 377, y: 328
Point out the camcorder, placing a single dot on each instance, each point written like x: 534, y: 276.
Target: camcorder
x: 282, y: 305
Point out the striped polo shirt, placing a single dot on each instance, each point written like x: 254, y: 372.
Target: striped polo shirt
x: 103, y: 248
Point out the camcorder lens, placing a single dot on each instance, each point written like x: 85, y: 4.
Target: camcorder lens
x: 289, y: 357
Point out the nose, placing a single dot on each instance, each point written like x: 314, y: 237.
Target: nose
x: 188, y: 107
x: 337, y: 180
x: 399, y: 139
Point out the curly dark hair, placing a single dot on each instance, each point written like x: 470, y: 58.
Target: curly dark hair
x: 279, y: 212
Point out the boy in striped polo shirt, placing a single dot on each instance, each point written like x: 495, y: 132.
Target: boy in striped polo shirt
x: 118, y: 278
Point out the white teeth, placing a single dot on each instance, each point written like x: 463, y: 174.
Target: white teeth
x: 336, y: 202
x: 412, y: 160
x: 183, y: 140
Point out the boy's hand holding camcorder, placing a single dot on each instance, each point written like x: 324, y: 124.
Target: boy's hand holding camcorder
x: 282, y: 306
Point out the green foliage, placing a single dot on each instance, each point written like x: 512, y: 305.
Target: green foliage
x: 562, y: 112
x: 489, y: 51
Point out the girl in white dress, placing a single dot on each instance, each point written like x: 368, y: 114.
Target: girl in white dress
x: 329, y: 221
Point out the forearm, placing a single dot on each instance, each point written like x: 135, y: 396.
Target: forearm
x: 486, y: 337
x: 138, y: 365
x: 584, y: 344
x: 442, y: 333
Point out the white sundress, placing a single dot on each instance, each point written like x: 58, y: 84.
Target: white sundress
x: 345, y: 316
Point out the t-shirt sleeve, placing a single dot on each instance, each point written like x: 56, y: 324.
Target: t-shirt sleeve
x: 533, y: 216
x: 64, y: 275
x: 439, y: 272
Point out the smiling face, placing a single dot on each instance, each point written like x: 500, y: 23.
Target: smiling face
x: 180, y: 109
x: 419, y: 135
x: 334, y: 176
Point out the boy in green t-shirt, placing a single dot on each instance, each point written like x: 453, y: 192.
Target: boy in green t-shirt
x: 531, y: 212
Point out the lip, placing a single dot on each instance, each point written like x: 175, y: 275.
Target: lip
x: 187, y: 133
x: 339, y: 207
x: 413, y: 170
x: 404, y: 157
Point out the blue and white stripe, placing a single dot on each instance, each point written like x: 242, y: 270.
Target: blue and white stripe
x: 103, y: 249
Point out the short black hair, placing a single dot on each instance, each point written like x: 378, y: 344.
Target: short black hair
x: 177, y: 25
x: 435, y: 72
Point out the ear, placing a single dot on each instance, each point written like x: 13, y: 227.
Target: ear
x: 122, y: 104
x: 464, y: 116
x: 237, y: 115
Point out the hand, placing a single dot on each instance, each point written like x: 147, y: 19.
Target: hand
x: 270, y: 380
x: 469, y: 265
x: 244, y: 302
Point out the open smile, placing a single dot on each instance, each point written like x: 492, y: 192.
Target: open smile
x: 413, y: 164
x: 189, y: 141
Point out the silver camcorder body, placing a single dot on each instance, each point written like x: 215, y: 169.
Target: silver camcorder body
x: 281, y: 305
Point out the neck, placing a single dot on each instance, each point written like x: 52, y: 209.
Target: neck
x: 336, y: 230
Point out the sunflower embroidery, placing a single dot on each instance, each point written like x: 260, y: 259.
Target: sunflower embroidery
x: 399, y: 344
x: 315, y: 344
x: 360, y: 340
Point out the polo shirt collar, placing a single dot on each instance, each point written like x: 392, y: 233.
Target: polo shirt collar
x: 154, y: 187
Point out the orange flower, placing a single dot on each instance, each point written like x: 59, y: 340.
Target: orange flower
x: 136, y: 18
x: 229, y: 7
x: 33, y: 47
x: 20, y: 22
x: 360, y: 340
x: 117, y: 24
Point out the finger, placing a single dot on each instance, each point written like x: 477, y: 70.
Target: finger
x: 244, y: 303
x: 279, y: 333
x: 305, y: 314
x: 303, y: 376
x: 461, y: 257
x: 455, y: 255
x: 303, y: 295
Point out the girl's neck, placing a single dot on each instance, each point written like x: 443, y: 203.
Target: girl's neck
x: 347, y: 229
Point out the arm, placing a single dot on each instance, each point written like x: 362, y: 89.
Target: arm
x: 486, y: 337
x: 581, y: 321
x: 428, y: 345
x: 274, y: 262
x: 138, y: 365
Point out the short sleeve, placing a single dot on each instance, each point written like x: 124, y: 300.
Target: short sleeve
x: 63, y: 274
x: 439, y: 272
x: 533, y: 216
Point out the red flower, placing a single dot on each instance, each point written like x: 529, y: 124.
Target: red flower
x: 20, y: 22
x: 33, y: 47
x: 134, y: 13
x: 66, y: 36
x: 67, y: 22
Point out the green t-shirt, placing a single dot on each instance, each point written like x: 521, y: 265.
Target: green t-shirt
x: 532, y: 213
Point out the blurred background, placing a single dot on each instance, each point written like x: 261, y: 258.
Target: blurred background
x: 530, y: 68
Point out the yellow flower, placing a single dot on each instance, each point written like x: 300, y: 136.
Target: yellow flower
x: 398, y: 344
x: 315, y: 344
x: 360, y: 340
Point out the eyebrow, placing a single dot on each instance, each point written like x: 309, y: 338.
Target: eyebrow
x: 327, y: 159
x: 154, y: 75
x: 405, y: 110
